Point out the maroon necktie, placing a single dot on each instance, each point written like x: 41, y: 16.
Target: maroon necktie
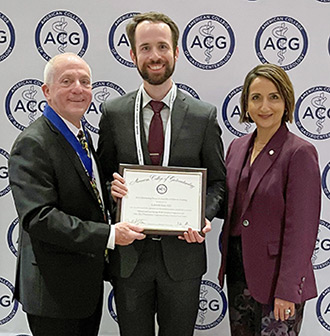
x: 156, y: 133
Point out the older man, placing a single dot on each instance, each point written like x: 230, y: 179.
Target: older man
x: 61, y: 202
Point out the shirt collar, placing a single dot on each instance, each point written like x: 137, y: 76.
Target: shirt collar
x: 146, y: 98
x: 71, y: 127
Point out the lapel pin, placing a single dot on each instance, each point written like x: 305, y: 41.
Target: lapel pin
x: 271, y: 152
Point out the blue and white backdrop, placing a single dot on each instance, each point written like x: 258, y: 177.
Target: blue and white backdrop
x: 220, y: 42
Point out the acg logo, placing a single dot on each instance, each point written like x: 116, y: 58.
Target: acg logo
x: 188, y: 89
x: 231, y: 112
x: 118, y: 41
x: 281, y: 40
x: 312, y: 113
x: 8, y: 307
x: 208, y: 41
x: 12, y: 236
x: 321, y: 254
x: 25, y: 103
x: 102, y: 91
x: 111, y: 306
x: 4, y: 182
x: 212, y: 306
x: 323, y: 309
x: 7, y: 37
x: 61, y: 31
x: 326, y: 180
x: 220, y: 241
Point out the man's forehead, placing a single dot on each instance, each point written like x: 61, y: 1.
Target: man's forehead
x: 150, y: 26
x: 71, y: 68
x: 151, y: 32
x: 74, y: 72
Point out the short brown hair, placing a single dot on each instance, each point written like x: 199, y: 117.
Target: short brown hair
x: 153, y: 17
x: 282, y: 82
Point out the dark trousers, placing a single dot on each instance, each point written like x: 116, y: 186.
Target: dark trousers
x: 149, y: 291
x: 247, y: 316
x: 46, y: 326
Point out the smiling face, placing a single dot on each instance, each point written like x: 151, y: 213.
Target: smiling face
x: 265, y: 105
x: 69, y: 92
x: 155, y: 58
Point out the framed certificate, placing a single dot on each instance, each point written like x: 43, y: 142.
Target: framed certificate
x: 164, y: 200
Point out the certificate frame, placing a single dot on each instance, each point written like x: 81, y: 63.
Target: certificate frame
x: 157, y: 182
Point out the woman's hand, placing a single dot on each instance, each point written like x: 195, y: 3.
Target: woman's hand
x: 193, y: 236
x: 283, y: 309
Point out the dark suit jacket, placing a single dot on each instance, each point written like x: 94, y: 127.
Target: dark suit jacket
x: 196, y: 142
x: 282, y: 207
x: 62, y: 233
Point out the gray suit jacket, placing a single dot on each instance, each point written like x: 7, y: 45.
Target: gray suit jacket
x: 62, y: 233
x: 195, y: 142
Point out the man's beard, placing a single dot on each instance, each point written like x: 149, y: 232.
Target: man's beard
x: 156, y: 79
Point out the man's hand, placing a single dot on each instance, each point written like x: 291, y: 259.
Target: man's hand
x: 118, y: 187
x: 193, y: 236
x: 126, y: 233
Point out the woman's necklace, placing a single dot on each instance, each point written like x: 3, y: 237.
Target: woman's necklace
x: 257, y: 148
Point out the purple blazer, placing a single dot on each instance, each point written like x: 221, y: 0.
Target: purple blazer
x: 280, y: 217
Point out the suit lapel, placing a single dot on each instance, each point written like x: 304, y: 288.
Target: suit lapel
x: 265, y: 162
x: 144, y: 144
x: 238, y: 154
x: 180, y: 109
x: 72, y: 155
x: 102, y: 187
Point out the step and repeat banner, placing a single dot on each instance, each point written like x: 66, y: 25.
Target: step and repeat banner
x: 220, y: 42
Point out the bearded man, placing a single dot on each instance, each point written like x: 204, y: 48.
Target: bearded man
x: 160, y: 275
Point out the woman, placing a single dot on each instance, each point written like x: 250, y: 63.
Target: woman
x: 273, y: 185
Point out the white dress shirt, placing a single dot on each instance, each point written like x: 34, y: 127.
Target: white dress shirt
x: 148, y: 113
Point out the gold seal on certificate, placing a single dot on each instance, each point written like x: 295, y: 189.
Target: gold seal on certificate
x: 164, y: 200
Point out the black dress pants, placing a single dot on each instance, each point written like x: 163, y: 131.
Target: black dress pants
x: 46, y: 326
x: 150, y: 292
